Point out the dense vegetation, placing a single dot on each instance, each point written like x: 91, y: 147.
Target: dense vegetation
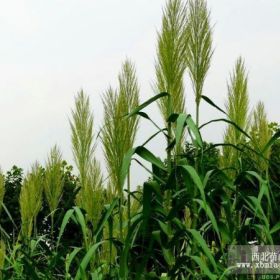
x: 198, y: 199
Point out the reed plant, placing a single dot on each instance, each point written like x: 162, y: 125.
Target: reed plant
x: 82, y: 135
x: 198, y: 56
x: 237, y: 108
x: 90, y: 197
x: 170, y: 64
x: 30, y: 200
x: 261, y: 133
x: 118, y: 133
x: 181, y: 220
x: 53, y: 184
x: 199, y: 47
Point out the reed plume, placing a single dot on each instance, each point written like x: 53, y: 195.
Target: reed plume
x: 237, y: 106
x: 260, y: 133
x: 118, y: 133
x: 171, y: 58
x: 90, y: 196
x: 53, y: 185
x: 199, y: 47
x: 30, y: 199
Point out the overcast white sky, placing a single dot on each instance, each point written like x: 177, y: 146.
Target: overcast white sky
x: 51, y: 49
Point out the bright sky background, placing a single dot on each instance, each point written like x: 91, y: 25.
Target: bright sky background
x: 51, y: 49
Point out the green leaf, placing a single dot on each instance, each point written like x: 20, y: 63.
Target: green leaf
x: 271, y: 141
x: 264, y: 189
x: 172, y: 118
x: 143, y: 153
x: 148, y: 102
x: 69, y: 259
x: 165, y: 228
x: 196, y: 179
x: 263, y: 230
x: 209, y: 101
x: 194, y: 129
x: 204, y: 267
x: 180, y: 124
x: 65, y: 221
x: 81, y: 221
x: 147, y: 155
x: 210, y: 215
x: 227, y: 271
x: 144, y: 115
x: 229, y: 122
x: 153, y: 136
x: 275, y: 228
x: 206, y: 177
x: 201, y: 242
x: 132, y: 232
x: 167, y: 253
x: 257, y: 209
x: 126, y: 164
x: 8, y: 214
x: 86, y: 260
x: 106, y: 216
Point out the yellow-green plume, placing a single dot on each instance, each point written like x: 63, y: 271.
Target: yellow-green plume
x: 90, y: 197
x: 30, y: 199
x: 82, y: 135
x: 199, y: 50
x: 237, y: 107
x: 53, y: 184
x: 171, y: 58
x: 118, y: 133
x: 260, y: 133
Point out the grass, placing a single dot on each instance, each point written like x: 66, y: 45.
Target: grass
x: 199, y: 198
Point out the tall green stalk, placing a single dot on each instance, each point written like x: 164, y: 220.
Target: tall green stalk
x: 199, y: 54
x: 118, y: 133
x: 170, y: 67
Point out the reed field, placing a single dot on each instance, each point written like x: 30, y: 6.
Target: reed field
x: 60, y: 222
